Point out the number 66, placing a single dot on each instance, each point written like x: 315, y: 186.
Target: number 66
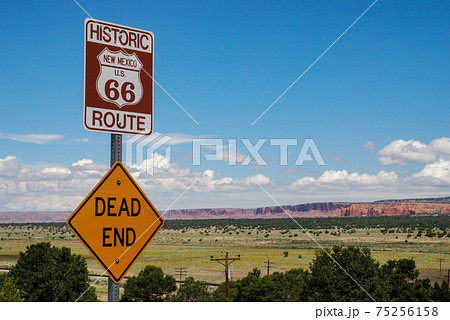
x: 114, y: 94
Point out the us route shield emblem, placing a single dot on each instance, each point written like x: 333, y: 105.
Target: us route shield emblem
x: 119, y: 79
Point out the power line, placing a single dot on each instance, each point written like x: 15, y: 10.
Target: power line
x: 226, y: 263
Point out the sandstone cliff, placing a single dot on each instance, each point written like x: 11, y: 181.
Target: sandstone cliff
x: 306, y: 210
x: 322, y: 209
x: 394, y: 209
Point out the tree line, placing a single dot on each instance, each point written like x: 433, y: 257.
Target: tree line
x: 412, y: 222
x: 405, y: 224
x: 47, y: 273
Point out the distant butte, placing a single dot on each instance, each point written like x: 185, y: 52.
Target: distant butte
x: 393, y: 207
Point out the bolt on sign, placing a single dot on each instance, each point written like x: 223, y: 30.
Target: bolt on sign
x: 116, y: 222
x: 118, y: 78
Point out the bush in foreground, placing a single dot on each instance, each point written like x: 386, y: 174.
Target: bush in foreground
x: 396, y: 280
x: 192, y: 291
x: 150, y: 285
x: 8, y: 289
x: 45, y: 273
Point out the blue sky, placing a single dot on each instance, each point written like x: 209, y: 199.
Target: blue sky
x: 384, y: 81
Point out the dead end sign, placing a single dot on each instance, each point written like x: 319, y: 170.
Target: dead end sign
x: 116, y: 222
x: 118, y: 78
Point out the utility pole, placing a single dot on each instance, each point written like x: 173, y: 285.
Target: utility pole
x: 440, y: 266
x: 181, y: 272
x: 268, y: 265
x: 226, y: 262
x: 448, y: 277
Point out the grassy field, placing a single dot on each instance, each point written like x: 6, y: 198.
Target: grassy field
x: 192, y: 248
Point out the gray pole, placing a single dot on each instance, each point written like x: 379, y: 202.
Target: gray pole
x: 116, y: 148
x: 116, y: 155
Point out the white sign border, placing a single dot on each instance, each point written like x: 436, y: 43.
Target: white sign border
x: 145, y: 132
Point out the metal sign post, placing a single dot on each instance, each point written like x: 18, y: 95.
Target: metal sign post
x: 116, y: 148
x: 113, y: 291
x: 116, y: 155
x: 118, y: 99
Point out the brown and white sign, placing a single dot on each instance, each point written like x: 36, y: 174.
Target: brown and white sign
x: 118, y: 78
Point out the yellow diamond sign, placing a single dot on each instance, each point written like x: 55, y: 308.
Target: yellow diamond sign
x: 116, y: 222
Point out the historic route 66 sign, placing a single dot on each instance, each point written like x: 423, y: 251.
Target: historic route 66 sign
x: 118, y: 78
x: 119, y: 81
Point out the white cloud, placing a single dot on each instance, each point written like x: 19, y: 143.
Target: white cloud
x: 55, y: 187
x: 33, y: 137
x: 88, y: 166
x: 441, y: 146
x: 400, y: 152
x: 434, y: 176
x: 9, y: 166
x: 82, y: 162
x: 436, y: 173
x: 46, y: 189
x: 259, y: 178
x: 56, y: 170
x: 60, y: 188
x: 332, y: 176
x: 341, y: 179
x: 369, y: 145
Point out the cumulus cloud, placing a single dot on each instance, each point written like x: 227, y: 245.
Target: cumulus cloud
x: 88, y: 166
x: 31, y: 189
x: 400, y: 152
x: 27, y: 189
x: 369, y: 145
x: 259, y: 179
x: 434, y: 176
x: 342, y: 179
x: 56, y: 170
x: 441, y: 146
x: 9, y: 166
x: 55, y: 187
x: 436, y: 173
x: 82, y: 162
